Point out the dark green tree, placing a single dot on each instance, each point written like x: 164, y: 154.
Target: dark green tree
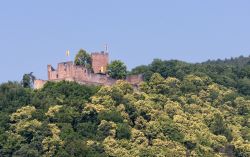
x: 123, y: 131
x: 219, y: 127
x: 28, y: 80
x: 244, y: 85
x: 117, y: 69
x: 84, y: 59
x: 26, y: 151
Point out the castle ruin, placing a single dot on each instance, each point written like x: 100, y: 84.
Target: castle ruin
x: 70, y: 72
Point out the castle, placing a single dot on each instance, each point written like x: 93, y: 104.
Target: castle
x: 98, y: 76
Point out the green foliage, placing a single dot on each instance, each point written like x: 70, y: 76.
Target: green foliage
x: 123, y: 131
x: 170, y: 130
x: 234, y: 72
x: 199, y: 113
x: 26, y: 151
x: 26, y: 81
x: 219, y: 127
x: 13, y: 96
x: 110, y: 116
x: 87, y: 129
x: 146, y: 153
x: 117, y: 69
x: 107, y: 128
x: 244, y: 86
x: 65, y: 89
x: 172, y: 68
x: 84, y: 59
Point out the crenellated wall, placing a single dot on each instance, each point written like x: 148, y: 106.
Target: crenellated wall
x: 100, y: 62
x: 71, y: 72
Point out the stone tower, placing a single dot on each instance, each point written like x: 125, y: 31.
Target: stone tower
x: 100, y: 62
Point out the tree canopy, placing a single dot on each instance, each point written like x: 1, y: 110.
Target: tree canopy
x: 83, y: 58
x: 178, y: 112
x: 163, y: 117
x: 233, y: 72
x: 28, y: 80
x: 117, y: 69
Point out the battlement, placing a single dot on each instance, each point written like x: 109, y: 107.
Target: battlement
x: 100, y: 53
x: 100, y: 62
x: 70, y: 72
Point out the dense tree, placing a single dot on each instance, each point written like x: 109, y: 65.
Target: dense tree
x: 84, y: 59
x: 123, y: 131
x: 117, y: 69
x: 28, y: 80
x: 219, y: 127
x: 232, y: 72
x: 181, y: 110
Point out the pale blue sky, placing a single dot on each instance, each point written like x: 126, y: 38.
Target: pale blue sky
x: 36, y: 33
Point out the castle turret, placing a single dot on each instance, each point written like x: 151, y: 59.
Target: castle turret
x: 70, y: 72
x: 100, y: 62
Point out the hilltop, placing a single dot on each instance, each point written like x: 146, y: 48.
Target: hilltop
x: 181, y: 109
x: 92, y: 69
x: 232, y: 73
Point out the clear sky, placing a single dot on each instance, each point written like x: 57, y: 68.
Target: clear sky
x: 36, y: 33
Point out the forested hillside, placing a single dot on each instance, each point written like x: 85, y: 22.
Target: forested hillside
x: 234, y: 72
x: 181, y: 110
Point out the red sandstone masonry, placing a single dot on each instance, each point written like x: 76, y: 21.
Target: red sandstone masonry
x: 70, y: 72
x: 39, y: 83
x: 99, y: 61
x: 134, y: 79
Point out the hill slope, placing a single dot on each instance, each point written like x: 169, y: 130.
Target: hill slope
x: 234, y: 72
x: 192, y: 116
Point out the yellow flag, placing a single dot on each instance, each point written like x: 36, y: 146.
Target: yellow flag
x: 67, y: 53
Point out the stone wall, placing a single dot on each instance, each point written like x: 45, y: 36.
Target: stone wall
x: 70, y: 72
x: 134, y: 79
x: 100, y: 62
x: 67, y: 70
x: 39, y: 84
